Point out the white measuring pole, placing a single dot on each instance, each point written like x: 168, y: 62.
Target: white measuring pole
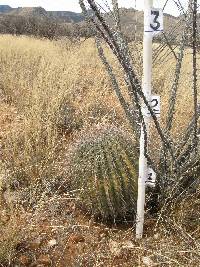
x: 147, y: 80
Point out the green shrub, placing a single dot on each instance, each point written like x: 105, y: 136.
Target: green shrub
x: 104, y: 168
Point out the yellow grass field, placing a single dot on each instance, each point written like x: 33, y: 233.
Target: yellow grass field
x: 38, y: 78
x: 51, y: 93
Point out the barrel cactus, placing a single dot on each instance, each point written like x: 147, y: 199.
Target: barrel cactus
x: 104, y: 168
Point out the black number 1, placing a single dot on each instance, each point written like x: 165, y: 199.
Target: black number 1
x: 155, y: 21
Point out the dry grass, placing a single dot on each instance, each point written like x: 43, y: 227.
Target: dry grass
x: 164, y: 74
x: 49, y: 93
x: 11, y: 235
x: 50, y: 88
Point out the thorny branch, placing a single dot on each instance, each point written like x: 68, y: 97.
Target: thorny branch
x: 194, y: 48
x: 120, y: 49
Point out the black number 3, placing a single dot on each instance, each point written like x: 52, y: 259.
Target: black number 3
x: 155, y: 21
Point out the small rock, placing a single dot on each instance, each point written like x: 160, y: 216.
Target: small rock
x: 115, y: 247
x: 147, y: 261
x: 91, y: 222
x: 128, y: 245
x: 24, y: 260
x: 76, y: 238
x: 11, y: 197
x: 104, y: 233
x: 4, y: 218
x: 21, y: 246
x: 52, y: 243
x: 35, y: 244
x: 156, y: 236
x: 44, y: 260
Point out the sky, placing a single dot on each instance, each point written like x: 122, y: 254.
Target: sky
x: 72, y: 5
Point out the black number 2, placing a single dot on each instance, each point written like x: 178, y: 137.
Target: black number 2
x: 154, y: 103
x: 156, y: 13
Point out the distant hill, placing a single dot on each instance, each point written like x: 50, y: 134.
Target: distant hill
x: 5, y: 8
x: 29, y: 11
x: 61, y: 16
x: 66, y: 16
x: 131, y: 19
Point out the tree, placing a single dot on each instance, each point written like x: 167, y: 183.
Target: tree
x: 179, y: 159
x: 13, y: 24
x: 31, y: 25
